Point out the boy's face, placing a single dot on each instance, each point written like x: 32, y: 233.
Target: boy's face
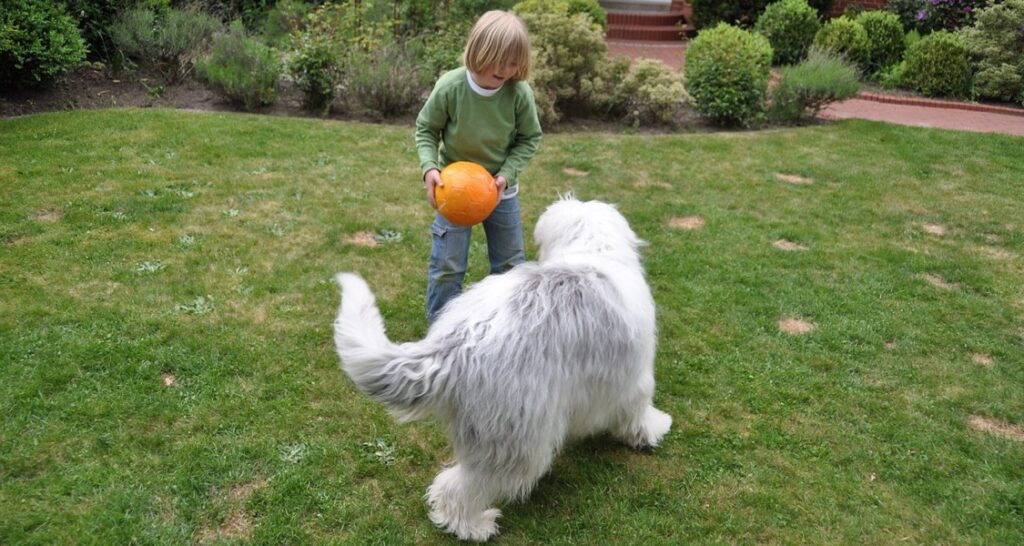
x: 493, y: 78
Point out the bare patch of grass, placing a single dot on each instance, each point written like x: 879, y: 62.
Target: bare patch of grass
x: 982, y: 359
x: 688, y: 223
x: 933, y: 229
x: 996, y: 427
x: 572, y: 171
x: 794, y: 179
x: 939, y: 282
x: 360, y: 238
x: 48, y: 215
x: 795, y: 326
x: 789, y: 246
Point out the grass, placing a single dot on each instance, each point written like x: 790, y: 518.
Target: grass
x: 168, y: 373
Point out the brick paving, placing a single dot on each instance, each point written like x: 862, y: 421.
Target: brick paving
x: 900, y: 110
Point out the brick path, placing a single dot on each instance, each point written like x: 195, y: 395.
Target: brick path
x: 939, y: 114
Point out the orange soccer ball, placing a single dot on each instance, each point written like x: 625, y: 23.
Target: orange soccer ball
x: 468, y: 195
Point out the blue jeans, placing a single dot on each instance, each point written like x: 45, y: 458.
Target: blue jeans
x: 449, y: 252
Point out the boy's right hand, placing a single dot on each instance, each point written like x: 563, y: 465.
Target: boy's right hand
x: 432, y: 180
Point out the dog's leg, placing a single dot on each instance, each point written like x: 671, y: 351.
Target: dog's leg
x: 640, y: 424
x: 459, y: 501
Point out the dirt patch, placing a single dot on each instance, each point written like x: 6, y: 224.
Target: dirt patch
x: 933, y: 229
x: 997, y: 427
x: 982, y: 359
x: 48, y: 215
x: 688, y: 223
x: 169, y: 380
x: 789, y: 246
x: 243, y: 491
x: 794, y: 179
x: 574, y: 172
x: 238, y: 526
x: 939, y: 282
x: 994, y: 253
x: 890, y: 345
x: 993, y: 238
x: 649, y: 184
x: 794, y: 326
x: 361, y: 238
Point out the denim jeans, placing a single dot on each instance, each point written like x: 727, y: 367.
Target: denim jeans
x: 449, y: 251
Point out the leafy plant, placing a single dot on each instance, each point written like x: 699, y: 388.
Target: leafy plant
x: 996, y: 47
x: 242, y: 69
x: 885, y: 38
x: 846, y: 37
x: 568, y: 50
x: 808, y: 87
x: 938, y: 66
x: 727, y: 73
x: 283, y: 20
x: 790, y: 26
x: 385, y: 82
x: 38, y: 42
x: 651, y: 93
x: 169, y: 40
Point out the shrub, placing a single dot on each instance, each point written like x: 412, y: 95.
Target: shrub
x: 846, y: 37
x: 938, y: 66
x: 38, y: 42
x: 906, y: 11
x: 284, y: 19
x: 891, y: 77
x: 807, y: 87
x: 790, y: 26
x: 727, y: 73
x: 95, y: 17
x: 169, y: 40
x: 996, y: 45
x: 242, y: 69
x: 315, y: 67
x: 384, y: 82
x: 568, y: 51
x: 592, y: 9
x: 707, y: 13
x: 651, y: 93
x: 885, y: 38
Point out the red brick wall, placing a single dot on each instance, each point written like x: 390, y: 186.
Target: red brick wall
x: 840, y: 5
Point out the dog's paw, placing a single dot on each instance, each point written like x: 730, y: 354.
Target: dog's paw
x: 476, y: 528
x: 656, y: 425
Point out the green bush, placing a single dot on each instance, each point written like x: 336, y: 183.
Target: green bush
x: 885, y: 36
x: 169, y: 40
x: 651, y: 93
x: 95, y: 17
x: 283, y: 20
x: 846, y: 37
x: 38, y: 42
x: 938, y: 66
x: 568, y: 51
x: 727, y: 73
x: 242, y: 69
x: 384, y: 82
x: 996, y: 46
x: 591, y: 8
x: 807, y: 87
x: 790, y: 26
x: 707, y: 13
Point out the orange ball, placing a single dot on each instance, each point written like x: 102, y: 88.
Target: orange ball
x: 468, y: 195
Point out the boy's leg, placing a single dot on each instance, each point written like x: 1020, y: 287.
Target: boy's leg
x: 449, y: 252
x: 504, y: 228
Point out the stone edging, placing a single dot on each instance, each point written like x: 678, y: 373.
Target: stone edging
x: 936, y: 103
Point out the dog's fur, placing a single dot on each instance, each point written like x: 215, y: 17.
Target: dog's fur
x: 520, y: 363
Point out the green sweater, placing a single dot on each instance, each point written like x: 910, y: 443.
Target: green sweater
x: 500, y: 132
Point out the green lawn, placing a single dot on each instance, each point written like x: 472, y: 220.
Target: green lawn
x: 168, y: 374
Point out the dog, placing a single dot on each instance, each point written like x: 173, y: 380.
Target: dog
x: 520, y: 363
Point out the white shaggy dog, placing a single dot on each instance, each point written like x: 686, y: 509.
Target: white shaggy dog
x: 520, y: 363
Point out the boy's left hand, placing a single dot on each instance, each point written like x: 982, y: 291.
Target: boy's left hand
x: 501, y: 183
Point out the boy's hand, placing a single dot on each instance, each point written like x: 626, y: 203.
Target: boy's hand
x: 431, y: 180
x: 501, y: 183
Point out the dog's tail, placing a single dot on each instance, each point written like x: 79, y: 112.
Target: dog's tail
x: 393, y: 374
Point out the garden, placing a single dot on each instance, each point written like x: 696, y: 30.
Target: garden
x: 840, y: 305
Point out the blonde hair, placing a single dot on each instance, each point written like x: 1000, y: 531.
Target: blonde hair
x: 497, y: 38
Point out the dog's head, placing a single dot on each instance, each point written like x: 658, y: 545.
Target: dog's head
x: 570, y: 226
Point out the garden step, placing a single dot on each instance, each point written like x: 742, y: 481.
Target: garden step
x: 649, y: 33
x: 621, y: 18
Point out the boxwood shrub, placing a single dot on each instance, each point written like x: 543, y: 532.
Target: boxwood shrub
x: 790, y: 26
x: 885, y: 38
x: 727, y: 73
x: 38, y: 42
x: 938, y: 66
x: 846, y: 37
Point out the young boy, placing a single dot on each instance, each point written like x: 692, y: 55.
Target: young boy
x: 483, y: 112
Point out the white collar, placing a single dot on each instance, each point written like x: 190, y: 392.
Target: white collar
x: 480, y: 90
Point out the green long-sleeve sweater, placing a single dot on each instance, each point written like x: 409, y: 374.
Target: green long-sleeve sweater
x: 500, y: 132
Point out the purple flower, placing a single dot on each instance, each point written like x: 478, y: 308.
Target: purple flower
x: 922, y: 15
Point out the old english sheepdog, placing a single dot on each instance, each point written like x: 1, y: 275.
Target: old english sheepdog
x: 520, y: 363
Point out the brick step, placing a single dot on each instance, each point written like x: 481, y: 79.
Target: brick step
x: 648, y: 33
x: 662, y: 18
